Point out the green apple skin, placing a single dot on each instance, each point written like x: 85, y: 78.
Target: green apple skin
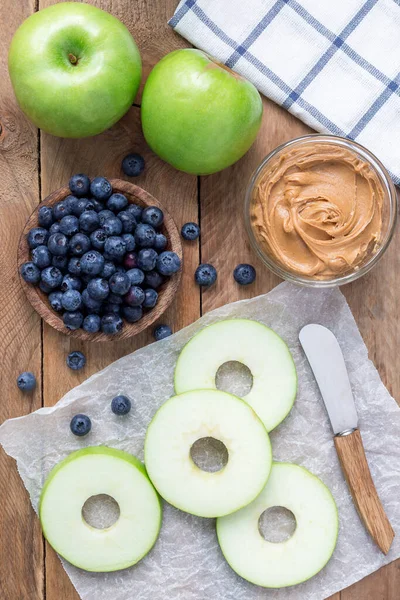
x: 81, y: 99
x: 197, y: 114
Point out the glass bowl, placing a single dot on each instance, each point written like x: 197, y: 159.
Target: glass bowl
x: 389, y: 213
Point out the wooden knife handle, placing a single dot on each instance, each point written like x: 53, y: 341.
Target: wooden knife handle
x: 354, y: 464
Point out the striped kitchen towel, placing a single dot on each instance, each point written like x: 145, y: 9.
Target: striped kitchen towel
x: 335, y: 64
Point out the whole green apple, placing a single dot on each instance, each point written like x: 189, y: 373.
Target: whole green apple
x: 197, y: 114
x: 75, y: 69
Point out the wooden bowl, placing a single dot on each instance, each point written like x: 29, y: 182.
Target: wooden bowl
x: 166, y: 292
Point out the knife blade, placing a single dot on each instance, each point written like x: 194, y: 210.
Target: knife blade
x: 327, y: 363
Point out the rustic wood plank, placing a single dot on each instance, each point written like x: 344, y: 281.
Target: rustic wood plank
x: 21, y: 546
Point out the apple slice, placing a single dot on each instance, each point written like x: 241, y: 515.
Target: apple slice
x: 90, y: 472
x: 276, y: 565
x: 256, y: 346
x: 183, y: 420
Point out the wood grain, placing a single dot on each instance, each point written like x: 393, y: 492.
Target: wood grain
x: 355, y: 467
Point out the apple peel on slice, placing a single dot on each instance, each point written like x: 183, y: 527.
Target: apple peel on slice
x: 277, y: 565
x: 199, y: 414
x: 90, y: 472
x: 252, y: 344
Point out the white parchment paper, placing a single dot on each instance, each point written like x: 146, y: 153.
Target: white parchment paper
x: 186, y: 563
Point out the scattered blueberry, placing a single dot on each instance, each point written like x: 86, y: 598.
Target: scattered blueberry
x: 108, y: 270
x: 112, y: 226
x: 37, y: 236
x: 128, y: 221
x: 69, y: 225
x: 136, y: 276
x: 60, y: 210
x: 190, y: 231
x: 135, y: 296
x: 61, y: 262
x: 26, y: 381
x: 136, y: 211
x: 30, y: 272
x: 72, y: 320
x: 147, y: 259
x: 92, y: 262
x: 55, y: 299
x: 160, y: 242
x: 111, y: 324
x: 80, y: 425
x: 51, y: 277
x: 117, y: 202
x: 45, y: 216
x: 74, y: 265
x: 70, y: 282
x: 145, y: 235
x: 79, y: 244
x: 168, y: 263
x: 78, y: 206
x: 58, y: 244
x: 98, y: 288
x: 121, y: 405
x: 91, y: 323
x: 41, y: 257
x: 72, y: 300
x: 153, y: 279
x: 98, y: 239
x: 129, y: 241
x: 55, y: 228
x: 79, y: 185
x: 115, y: 247
x: 119, y: 283
x: 89, y: 221
x: 101, y: 188
x: 150, y: 298
x: 205, y: 275
x: 76, y: 360
x: 104, y: 215
x: 244, y: 274
x: 152, y: 215
x: 132, y: 314
x: 161, y: 332
x: 133, y: 165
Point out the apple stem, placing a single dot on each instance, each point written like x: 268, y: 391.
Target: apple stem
x: 72, y: 59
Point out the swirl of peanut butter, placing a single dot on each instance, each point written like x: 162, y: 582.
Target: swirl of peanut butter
x: 317, y: 209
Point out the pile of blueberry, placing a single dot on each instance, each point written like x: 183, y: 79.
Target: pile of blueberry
x: 99, y: 258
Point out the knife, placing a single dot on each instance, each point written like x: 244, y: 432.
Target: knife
x: 327, y: 363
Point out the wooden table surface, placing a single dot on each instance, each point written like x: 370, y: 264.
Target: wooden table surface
x: 32, y: 164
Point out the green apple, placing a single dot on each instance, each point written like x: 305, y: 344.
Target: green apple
x: 253, y: 344
x: 185, y: 419
x: 197, y: 114
x: 75, y: 69
x: 90, y: 472
x: 277, y: 565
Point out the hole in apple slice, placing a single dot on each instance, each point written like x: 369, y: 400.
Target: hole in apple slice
x: 101, y: 511
x: 235, y: 378
x: 277, y: 524
x: 209, y: 454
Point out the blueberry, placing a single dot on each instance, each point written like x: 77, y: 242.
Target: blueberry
x: 114, y: 299
x: 41, y: 256
x: 136, y: 276
x: 26, y: 381
x: 60, y: 210
x: 74, y: 266
x: 108, y: 270
x: 70, y: 282
x: 55, y: 228
x: 45, y: 216
x: 128, y: 221
x: 133, y: 165
x: 152, y: 215
x: 79, y: 244
x: 72, y: 320
x: 112, y: 226
x: 150, y: 298
x: 112, y: 309
x: 71, y: 300
x: 244, y: 274
x: 69, y: 225
x: 70, y: 201
x: 37, y: 236
x: 58, y: 244
x: 61, y: 262
x: 76, y: 360
x: 78, y: 206
x: 132, y: 314
x: 119, y: 283
x: 153, y: 279
x: 97, y: 205
x: 91, y: 323
x: 160, y: 242
x: 147, y: 259
x: 79, y: 185
x: 92, y: 305
x: 130, y: 260
x: 89, y: 221
x: 104, y: 215
x: 117, y: 202
x: 129, y: 240
x: 145, y: 235
x: 98, y: 288
x: 30, y: 272
x: 92, y: 262
x: 101, y: 188
x: 98, y: 239
x: 168, y: 263
x: 190, y: 231
x: 55, y: 301
x: 52, y: 277
x: 46, y: 289
x: 121, y: 405
x: 115, y: 247
x: 135, y: 296
x: 136, y: 211
x: 205, y: 275
x: 80, y: 425
x: 111, y: 324
x: 161, y: 332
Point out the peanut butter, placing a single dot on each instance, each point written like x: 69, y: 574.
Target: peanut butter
x: 317, y: 209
